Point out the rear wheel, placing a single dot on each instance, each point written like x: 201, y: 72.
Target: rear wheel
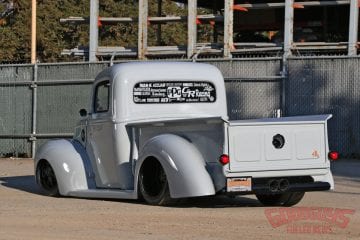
x: 153, y: 184
x: 282, y: 199
x: 47, y: 179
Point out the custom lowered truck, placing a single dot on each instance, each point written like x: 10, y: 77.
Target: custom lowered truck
x: 160, y: 132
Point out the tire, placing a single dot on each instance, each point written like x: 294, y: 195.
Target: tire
x: 283, y: 199
x: 46, y: 178
x: 153, y: 184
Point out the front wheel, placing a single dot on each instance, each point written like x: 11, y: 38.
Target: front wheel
x: 46, y: 178
x: 153, y: 184
x: 282, y: 199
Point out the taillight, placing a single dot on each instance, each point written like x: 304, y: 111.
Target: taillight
x: 224, y: 159
x: 333, y: 155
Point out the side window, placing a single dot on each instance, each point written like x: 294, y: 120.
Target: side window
x: 102, y: 97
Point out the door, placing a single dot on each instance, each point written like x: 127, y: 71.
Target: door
x: 100, y: 142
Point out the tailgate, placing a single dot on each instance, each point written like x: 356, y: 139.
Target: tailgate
x: 287, y: 143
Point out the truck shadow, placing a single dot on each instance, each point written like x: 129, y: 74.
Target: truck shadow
x: 202, y: 202
x: 28, y: 184
x: 22, y: 183
x: 218, y: 202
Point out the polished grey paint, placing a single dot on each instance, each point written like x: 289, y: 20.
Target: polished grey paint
x: 187, y: 139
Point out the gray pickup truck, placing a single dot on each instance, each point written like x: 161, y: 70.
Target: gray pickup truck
x: 160, y: 131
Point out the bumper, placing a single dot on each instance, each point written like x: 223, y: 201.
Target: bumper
x: 298, y: 187
x: 282, y: 185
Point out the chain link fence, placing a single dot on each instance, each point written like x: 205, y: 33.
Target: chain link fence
x: 16, y: 109
x: 328, y: 86
x: 253, y: 87
x: 42, y: 102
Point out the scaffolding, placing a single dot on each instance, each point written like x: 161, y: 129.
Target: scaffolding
x: 226, y: 49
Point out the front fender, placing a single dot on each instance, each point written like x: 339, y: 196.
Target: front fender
x: 70, y: 163
x: 183, y: 164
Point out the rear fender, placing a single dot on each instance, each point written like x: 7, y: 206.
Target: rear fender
x: 183, y: 164
x: 70, y: 163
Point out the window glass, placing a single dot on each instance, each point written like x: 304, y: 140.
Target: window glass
x: 101, y: 101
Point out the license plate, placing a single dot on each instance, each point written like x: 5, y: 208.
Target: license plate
x: 239, y: 184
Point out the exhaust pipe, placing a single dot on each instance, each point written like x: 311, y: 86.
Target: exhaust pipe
x: 283, y: 185
x: 274, y: 185
x: 280, y: 185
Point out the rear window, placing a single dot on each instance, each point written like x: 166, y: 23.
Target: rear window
x: 101, y: 101
x: 174, y: 92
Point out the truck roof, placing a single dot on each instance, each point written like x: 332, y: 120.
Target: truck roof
x: 152, y: 70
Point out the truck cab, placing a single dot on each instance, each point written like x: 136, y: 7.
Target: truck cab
x: 160, y: 131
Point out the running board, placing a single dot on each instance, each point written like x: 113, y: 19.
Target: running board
x: 104, y: 193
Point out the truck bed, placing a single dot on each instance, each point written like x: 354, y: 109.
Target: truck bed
x: 273, y: 144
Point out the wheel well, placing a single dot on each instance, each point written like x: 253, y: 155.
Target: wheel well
x: 148, y: 164
x: 149, y: 171
x: 41, y: 163
x: 46, y: 178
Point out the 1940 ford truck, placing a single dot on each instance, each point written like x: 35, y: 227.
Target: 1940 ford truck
x: 160, y: 131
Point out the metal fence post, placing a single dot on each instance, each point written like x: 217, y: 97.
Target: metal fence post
x: 94, y: 29
x: 288, y: 41
x: 33, y: 31
x: 143, y: 21
x: 353, y: 27
x: 192, y: 28
x: 34, y: 110
x: 228, y: 28
x: 288, y: 28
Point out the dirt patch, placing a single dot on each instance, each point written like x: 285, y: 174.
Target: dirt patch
x: 26, y: 214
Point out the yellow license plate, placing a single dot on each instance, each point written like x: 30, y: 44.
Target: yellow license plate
x: 242, y: 184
